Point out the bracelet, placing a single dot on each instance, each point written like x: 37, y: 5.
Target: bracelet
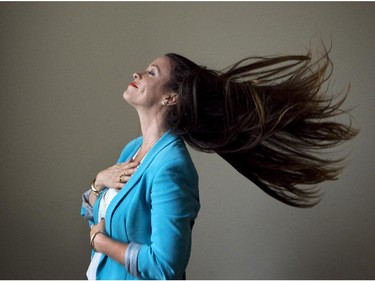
x: 92, y: 239
x: 94, y: 190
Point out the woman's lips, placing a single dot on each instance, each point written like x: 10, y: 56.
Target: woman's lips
x: 133, y: 85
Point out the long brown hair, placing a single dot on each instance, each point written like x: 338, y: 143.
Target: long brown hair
x: 269, y: 117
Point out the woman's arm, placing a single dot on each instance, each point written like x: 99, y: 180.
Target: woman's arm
x: 175, y: 204
x: 103, y: 244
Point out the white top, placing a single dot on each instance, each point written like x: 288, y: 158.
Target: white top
x: 104, y: 203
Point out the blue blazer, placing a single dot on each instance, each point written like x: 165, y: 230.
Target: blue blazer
x: 156, y: 209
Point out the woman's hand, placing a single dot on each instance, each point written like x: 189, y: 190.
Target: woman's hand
x: 97, y: 232
x: 116, y: 176
x: 100, y: 227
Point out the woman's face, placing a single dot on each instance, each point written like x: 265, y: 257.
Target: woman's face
x: 149, y: 88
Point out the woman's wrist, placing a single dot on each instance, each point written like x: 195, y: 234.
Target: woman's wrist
x: 96, y: 237
x: 95, y: 189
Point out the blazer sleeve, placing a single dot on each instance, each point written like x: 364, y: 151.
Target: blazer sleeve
x: 175, y: 205
x: 86, y: 209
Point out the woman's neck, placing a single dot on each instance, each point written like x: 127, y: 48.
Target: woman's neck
x: 153, y: 128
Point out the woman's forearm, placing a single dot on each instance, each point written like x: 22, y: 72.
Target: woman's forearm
x: 112, y: 248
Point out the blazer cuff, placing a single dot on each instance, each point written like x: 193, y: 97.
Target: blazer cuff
x: 131, y: 259
x: 86, y: 209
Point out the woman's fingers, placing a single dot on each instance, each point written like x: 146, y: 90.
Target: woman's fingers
x: 117, y: 175
x: 126, y: 170
x: 98, y: 227
x: 129, y: 165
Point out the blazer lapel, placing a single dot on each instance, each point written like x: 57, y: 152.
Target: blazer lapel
x: 165, y: 140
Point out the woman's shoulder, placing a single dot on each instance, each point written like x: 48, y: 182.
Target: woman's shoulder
x: 170, y: 142
x: 174, y: 152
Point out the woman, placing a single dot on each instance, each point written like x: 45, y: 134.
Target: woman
x: 266, y: 116
x: 144, y: 207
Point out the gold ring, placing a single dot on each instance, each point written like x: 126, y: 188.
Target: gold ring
x: 121, y: 180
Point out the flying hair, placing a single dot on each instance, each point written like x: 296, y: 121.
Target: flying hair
x: 271, y: 118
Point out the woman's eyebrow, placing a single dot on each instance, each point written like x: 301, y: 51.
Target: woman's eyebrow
x: 154, y: 65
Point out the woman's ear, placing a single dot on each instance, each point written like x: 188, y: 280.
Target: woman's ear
x: 170, y: 100
x: 173, y: 99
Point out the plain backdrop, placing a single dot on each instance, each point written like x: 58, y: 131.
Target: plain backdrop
x: 63, y: 69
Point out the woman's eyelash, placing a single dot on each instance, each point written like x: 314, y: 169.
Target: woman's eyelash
x: 150, y: 72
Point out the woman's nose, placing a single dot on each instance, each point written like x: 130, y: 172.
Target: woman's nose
x: 137, y: 76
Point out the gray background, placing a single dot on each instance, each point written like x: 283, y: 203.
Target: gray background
x: 64, y: 67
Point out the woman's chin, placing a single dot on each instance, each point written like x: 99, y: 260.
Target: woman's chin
x: 125, y: 95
